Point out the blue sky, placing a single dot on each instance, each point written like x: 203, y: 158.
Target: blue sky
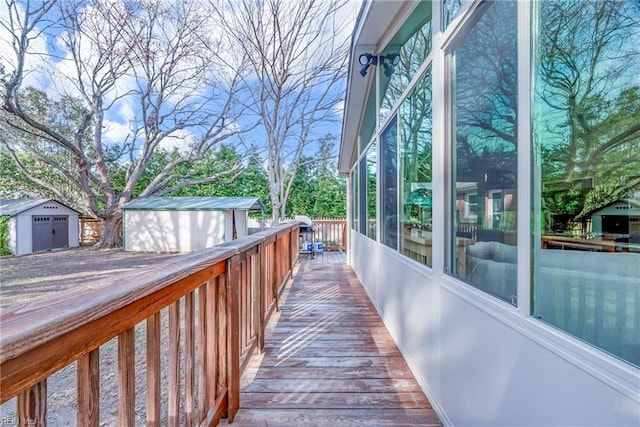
x: 50, y: 65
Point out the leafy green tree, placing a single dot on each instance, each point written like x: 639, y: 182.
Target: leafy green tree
x: 318, y: 191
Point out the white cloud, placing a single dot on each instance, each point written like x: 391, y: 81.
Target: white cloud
x: 125, y: 110
x: 115, y: 132
x: 179, y: 139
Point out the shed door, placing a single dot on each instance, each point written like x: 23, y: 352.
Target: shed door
x: 42, y: 233
x: 49, y: 232
x: 60, y: 231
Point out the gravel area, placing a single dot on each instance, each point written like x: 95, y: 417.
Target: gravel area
x: 24, y: 278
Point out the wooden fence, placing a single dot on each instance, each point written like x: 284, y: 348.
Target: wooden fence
x: 90, y: 230
x: 219, y: 299
x: 332, y: 233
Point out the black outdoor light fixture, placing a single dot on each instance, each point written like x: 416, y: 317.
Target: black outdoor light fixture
x: 367, y: 60
x: 389, y: 62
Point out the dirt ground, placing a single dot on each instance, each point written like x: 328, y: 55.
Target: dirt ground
x: 23, y: 278
x: 27, y: 277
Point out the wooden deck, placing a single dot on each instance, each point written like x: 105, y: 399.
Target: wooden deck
x: 327, y: 257
x: 328, y: 360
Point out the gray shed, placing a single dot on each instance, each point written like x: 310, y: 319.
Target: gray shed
x: 620, y: 219
x: 184, y: 224
x: 39, y: 225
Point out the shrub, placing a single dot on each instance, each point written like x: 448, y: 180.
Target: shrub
x: 4, y: 235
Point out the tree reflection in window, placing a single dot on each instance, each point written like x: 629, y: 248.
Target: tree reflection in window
x: 586, y: 199
x: 371, y: 186
x: 389, y: 185
x: 485, y: 160
x: 450, y: 9
x: 416, y: 172
x: 587, y: 110
x: 412, y: 44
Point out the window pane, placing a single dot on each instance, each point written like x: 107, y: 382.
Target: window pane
x: 362, y: 195
x: 484, y: 161
x: 369, y: 120
x: 371, y: 191
x: 586, y: 199
x: 403, y: 56
x: 354, y: 198
x: 389, y: 184
x: 415, y: 133
x: 450, y: 9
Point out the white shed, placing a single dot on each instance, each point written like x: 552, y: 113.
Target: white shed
x: 619, y: 219
x: 184, y: 224
x: 39, y: 225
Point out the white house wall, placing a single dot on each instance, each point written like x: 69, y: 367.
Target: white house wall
x: 242, y: 223
x: 173, y: 231
x: 478, y: 360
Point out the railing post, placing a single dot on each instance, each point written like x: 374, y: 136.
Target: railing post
x: 291, y: 246
x: 262, y: 284
x: 276, y: 273
x: 126, y: 379
x: 233, y: 337
x: 32, y: 405
x: 89, y: 389
x: 153, y: 370
x: 189, y: 357
x: 344, y: 237
x: 295, y: 244
x: 173, y: 409
x: 203, y: 383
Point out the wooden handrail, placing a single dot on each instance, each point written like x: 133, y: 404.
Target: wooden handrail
x: 224, y: 295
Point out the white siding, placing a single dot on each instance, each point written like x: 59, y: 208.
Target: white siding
x: 481, y: 362
x: 23, y: 232
x: 74, y: 230
x: 172, y: 231
x: 241, y: 221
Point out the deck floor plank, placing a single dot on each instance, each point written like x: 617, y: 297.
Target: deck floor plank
x: 329, y: 360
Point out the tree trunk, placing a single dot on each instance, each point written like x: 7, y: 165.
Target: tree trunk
x: 111, y: 232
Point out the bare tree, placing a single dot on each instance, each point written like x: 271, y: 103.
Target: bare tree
x: 145, y: 68
x: 297, y: 66
x: 589, y: 104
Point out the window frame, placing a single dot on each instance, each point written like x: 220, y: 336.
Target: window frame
x: 453, y: 263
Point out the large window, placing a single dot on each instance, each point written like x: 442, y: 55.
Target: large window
x: 451, y: 9
x: 416, y: 173
x: 354, y: 198
x: 389, y: 184
x: 586, y: 198
x: 368, y: 126
x: 484, y: 163
x: 371, y: 188
x: 403, y: 56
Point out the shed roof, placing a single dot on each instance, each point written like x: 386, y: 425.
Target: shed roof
x: 631, y: 203
x: 13, y: 207
x: 195, y: 203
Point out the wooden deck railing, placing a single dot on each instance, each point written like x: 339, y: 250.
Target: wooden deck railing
x: 218, y: 299
x: 332, y: 233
